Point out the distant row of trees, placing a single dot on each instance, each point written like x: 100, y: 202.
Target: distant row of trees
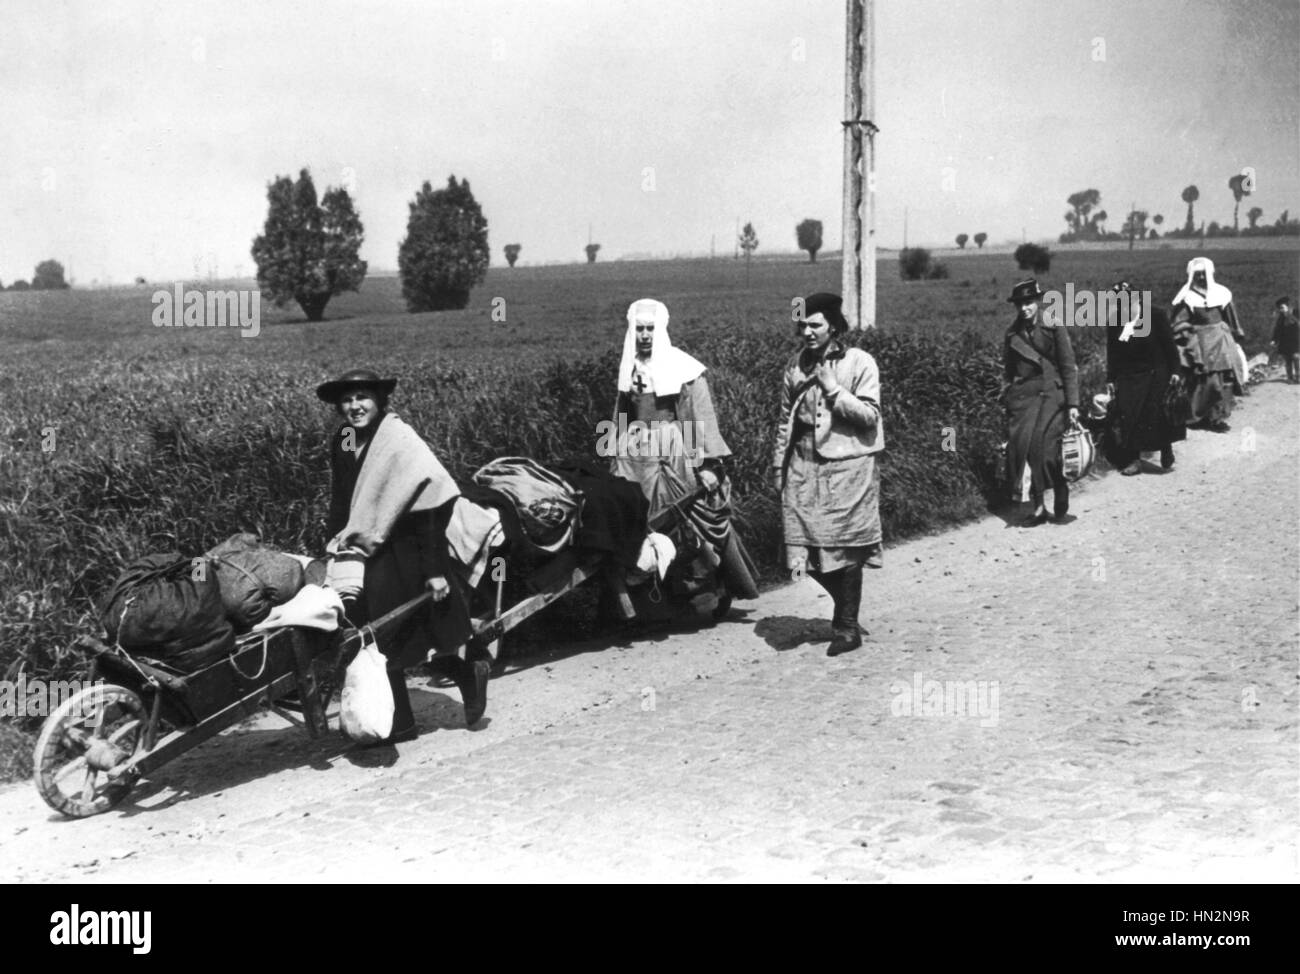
x: 917, y: 264
x: 309, y: 249
x: 512, y: 252
x: 48, y: 277
x: 1086, y: 220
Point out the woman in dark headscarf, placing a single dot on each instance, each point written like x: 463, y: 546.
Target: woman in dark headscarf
x: 1206, y: 327
x: 1041, y: 397
x: 390, y: 502
x: 824, y: 463
x: 1141, y: 365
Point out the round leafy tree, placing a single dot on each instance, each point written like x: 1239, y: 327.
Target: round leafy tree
x: 809, y: 235
x: 308, y: 251
x: 49, y: 276
x: 445, y: 252
x: 1032, y: 257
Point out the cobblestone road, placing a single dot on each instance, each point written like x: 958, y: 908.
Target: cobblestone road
x: 1131, y: 690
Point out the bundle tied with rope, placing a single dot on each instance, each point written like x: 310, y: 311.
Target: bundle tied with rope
x: 168, y: 607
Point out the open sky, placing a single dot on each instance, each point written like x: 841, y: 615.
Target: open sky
x: 138, y: 138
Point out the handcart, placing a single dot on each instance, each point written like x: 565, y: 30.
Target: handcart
x: 139, y: 713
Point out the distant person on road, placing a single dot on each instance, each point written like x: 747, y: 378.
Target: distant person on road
x: 1286, y: 338
x: 1041, y: 397
x: 390, y: 502
x: 670, y: 444
x: 824, y: 463
x: 1141, y: 365
x: 1206, y: 328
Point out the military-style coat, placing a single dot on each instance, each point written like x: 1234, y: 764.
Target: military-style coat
x: 846, y: 425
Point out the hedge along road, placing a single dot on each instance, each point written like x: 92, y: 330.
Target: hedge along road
x: 1132, y: 716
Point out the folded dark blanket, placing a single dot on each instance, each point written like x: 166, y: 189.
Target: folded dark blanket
x: 614, y: 511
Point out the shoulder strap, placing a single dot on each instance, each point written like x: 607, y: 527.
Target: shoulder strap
x: 1021, y: 346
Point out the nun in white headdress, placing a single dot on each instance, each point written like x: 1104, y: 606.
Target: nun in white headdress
x: 1207, y: 331
x: 669, y: 443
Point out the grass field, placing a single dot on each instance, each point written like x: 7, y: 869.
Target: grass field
x: 174, y: 438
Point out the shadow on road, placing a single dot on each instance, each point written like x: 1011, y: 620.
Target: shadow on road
x: 233, y: 759
x: 790, y: 632
x: 622, y: 636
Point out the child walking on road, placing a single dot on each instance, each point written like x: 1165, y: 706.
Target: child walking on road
x: 1286, y: 338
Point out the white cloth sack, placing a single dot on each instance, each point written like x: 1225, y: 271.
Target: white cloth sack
x: 657, y: 553
x: 366, y: 710
x: 314, y: 607
x: 1243, y: 367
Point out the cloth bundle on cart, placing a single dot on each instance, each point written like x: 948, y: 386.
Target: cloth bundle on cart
x: 168, y: 607
x: 253, y: 579
x: 545, y: 502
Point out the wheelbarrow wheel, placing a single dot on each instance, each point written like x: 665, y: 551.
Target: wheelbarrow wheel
x: 87, y: 736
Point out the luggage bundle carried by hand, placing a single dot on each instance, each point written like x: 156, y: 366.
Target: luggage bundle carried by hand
x: 186, y: 611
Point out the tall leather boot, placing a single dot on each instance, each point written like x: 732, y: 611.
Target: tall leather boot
x: 472, y: 677
x: 1061, y: 499
x: 848, y: 634
x: 830, y: 581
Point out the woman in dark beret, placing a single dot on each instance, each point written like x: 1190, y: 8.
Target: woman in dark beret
x: 824, y: 463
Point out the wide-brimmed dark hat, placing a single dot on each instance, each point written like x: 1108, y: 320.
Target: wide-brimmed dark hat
x: 1026, y: 291
x: 333, y: 390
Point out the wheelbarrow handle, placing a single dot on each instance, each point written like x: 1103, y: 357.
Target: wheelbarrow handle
x: 353, y: 638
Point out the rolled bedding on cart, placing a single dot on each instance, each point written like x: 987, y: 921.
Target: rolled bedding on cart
x: 254, y: 578
x: 186, y: 611
x: 537, y: 511
x: 168, y: 607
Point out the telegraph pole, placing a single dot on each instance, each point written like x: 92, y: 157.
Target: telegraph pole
x: 859, y: 277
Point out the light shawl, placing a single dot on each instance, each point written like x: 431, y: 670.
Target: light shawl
x: 670, y: 368
x: 1214, y: 295
x: 398, y: 474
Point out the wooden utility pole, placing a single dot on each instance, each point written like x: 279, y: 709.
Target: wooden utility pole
x: 859, y: 278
